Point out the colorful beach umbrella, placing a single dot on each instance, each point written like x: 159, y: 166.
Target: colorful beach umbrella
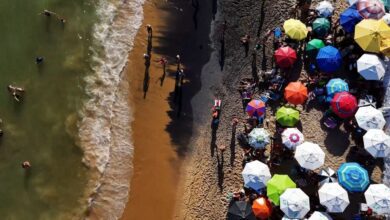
x: 321, y: 26
x: 314, y: 46
x: 292, y: 137
x: 329, y: 59
x: 285, y: 57
x: 287, y: 117
x: 309, y: 155
x: 377, y: 143
x: 295, y: 93
x: 258, y: 138
x: 386, y: 3
x: 327, y: 175
x: 319, y: 216
x: 325, y: 9
x: 371, y: 67
x: 240, y: 210
x: 386, y: 18
x: 369, y: 33
x: 352, y: 2
x: 255, y: 108
x: 344, y: 104
x: 277, y: 185
x: 256, y: 175
x: 353, y: 177
x: 368, y: 117
x: 333, y: 197
x: 385, y: 47
x: 371, y: 9
x: 295, y: 29
x: 262, y: 208
x: 349, y: 18
x: 336, y: 85
x: 294, y: 203
x: 378, y: 198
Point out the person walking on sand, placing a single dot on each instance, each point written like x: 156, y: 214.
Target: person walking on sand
x: 179, y: 79
x: 26, y: 165
x: 150, y: 31
x: 178, y: 62
x: 163, y: 61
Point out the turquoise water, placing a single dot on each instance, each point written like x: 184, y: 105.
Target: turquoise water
x: 42, y: 127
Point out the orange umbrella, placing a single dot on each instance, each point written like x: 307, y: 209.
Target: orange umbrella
x: 295, y: 93
x: 262, y: 208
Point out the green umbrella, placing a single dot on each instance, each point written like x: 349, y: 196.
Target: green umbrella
x: 287, y: 116
x: 321, y: 26
x: 386, y: 3
x: 314, y: 45
x: 277, y: 185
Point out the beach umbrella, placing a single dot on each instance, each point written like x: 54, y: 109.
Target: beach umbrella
x: 386, y: 3
x: 295, y: 93
x: 262, y: 208
x: 258, y: 138
x: 378, y: 198
x: 371, y: 67
x: 386, y: 18
x: 327, y: 175
x: 287, y: 117
x: 285, y: 57
x: 295, y: 29
x: 277, y: 185
x: 369, y: 33
x: 385, y: 47
x: 309, y: 155
x: 353, y: 177
x: 333, y: 197
x: 294, y: 203
x: 314, y: 46
x: 255, y: 108
x: 321, y: 26
x: 319, y: 216
x: 344, y: 104
x: 377, y: 143
x: 256, y: 175
x: 292, y: 137
x: 329, y: 59
x: 368, y: 117
x: 336, y: 85
x: 352, y: 2
x: 240, y: 210
x: 349, y: 18
x: 325, y: 9
x: 371, y: 9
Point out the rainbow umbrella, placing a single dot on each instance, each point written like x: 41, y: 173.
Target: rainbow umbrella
x: 371, y: 9
x: 349, y: 18
x: 353, y: 177
x: 255, y: 108
x: 336, y: 85
x: 344, y: 104
x: 285, y: 57
x: 329, y: 59
x: 277, y: 185
x: 287, y: 116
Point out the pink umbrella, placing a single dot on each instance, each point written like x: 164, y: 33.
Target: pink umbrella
x: 371, y: 9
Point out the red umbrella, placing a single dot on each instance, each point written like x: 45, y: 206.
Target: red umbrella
x: 344, y: 104
x: 295, y: 93
x: 285, y: 57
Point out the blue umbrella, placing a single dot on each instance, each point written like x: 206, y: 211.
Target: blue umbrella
x: 336, y: 85
x: 353, y: 177
x: 329, y: 59
x: 349, y: 18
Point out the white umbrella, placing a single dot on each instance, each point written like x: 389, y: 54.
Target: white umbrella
x: 327, y: 175
x: 369, y: 117
x: 386, y: 18
x: 256, y: 175
x: 371, y: 67
x: 294, y: 203
x: 292, y: 137
x: 325, y: 9
x: 258, y: 138
x: 377, y: 143
x: 378, y: 198
x: 352, y: 2
x: 309, y: 156
x: 319, y: 216
x: 333, y: 197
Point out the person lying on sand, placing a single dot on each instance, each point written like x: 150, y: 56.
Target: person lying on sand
x: 16, y: 92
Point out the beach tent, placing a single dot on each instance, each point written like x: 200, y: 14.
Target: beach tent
x: 309, y: 155
x: 258, y: 138
x: 294, y: 203
x: 285, y: 57
x: 333, y: 197
x: 287, y: 117
x: 255, y: 108
x: 295, y: 93
x: 292, y: 137
x: 277, y: 185
x: 329, y: 59
x: 295, y: 29
x: 378, y: 198
x: 371, y: 67
x: 349, y: 18
x: 336, y: 85
x: 314, y: 46
x: 344, y: 104
x: 327, y: 175
x: 320, y: 216
x: 353, y: 177
x: 371, y: 9
x: 368, y: 117
x: 262, y: 208
x: 240, y: 210
x: 377, y: 143
x: 256, y: 175
x: 321, y: 26
x: 325, y: 9
x: 369, y: 33
x: 386, y: 18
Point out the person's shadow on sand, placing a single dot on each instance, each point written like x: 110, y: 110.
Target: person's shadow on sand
x: 26, y: 179
x: 146, y: 75
x: 220, y: 161
x: 213, y: 145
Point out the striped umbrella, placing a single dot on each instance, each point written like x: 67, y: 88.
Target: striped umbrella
x: 325, y: 9
x: 377, y: 143
x: 336, y: 85
x: 371, y: 9
x: 292, y: 137
x: 258, y: 138
x: 327, y: 175
x: 255, y: 108
x: 329, y: 59
x: 378, y: 198
x: 333, y: 197
x: 344, y: 104
x: 353, y: 177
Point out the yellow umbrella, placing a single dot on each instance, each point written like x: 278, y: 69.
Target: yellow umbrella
x: 369, y: 33
x: 295, y: 29
x: 385, y: 47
